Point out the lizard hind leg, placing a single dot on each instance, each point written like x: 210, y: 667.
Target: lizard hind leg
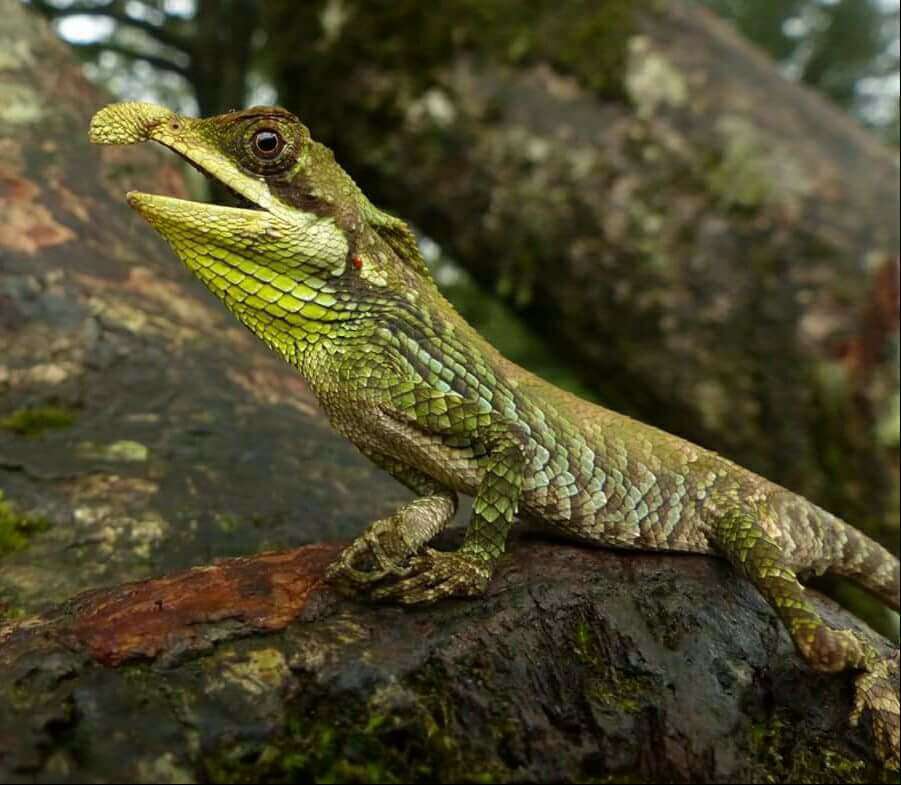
x: 740, y: 537
x: 385, y: 549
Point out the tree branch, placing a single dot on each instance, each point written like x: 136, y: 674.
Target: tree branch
x: 163, y: 36
x: 156, y: 61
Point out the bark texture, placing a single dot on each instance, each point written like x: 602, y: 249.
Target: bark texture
x: 715, y: 247
x: 143, y: 433
x: 580, y: 665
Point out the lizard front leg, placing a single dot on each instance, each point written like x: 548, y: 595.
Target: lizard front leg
x: 500, y: 450
x: 740, y: 537
x: 385, y: 548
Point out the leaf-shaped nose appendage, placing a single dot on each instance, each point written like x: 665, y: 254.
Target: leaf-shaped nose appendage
x: 127, y: 123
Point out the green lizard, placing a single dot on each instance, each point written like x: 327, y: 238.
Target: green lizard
x: 339, y: 289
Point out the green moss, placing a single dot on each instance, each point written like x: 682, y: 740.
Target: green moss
x: 16, y: 529
x: 323, y: 751
x: 10, y: 605
x: 402, y: 733
x: 122, y: 451
x: 589, y: 44
x: 887, y: 429
x: 227, y: 523
x: 780, y: 759
x: 750, y: 172
x: 608, y: 686
x: 34, y: 421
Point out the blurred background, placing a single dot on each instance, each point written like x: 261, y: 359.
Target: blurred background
x: 208, y: 56
x: 633, y: 199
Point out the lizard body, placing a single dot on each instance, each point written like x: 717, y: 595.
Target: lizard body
x: 339, y: 289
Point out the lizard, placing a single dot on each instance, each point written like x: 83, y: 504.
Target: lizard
x: 340, y: 290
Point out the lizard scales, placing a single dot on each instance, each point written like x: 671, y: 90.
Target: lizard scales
x: 340, y: 290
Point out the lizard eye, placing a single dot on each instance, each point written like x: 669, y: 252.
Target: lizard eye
x: 267, y: 144
x: 268, y: 147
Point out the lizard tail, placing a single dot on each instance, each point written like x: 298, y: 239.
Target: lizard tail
x: 867, y: 563
x: 825, y: 543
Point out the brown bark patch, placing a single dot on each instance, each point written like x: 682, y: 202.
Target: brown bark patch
x: 142, y: 620
x: 864, y: 351
x: 27, y: 226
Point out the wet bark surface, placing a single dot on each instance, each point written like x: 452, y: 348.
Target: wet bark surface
x: 579, y: 665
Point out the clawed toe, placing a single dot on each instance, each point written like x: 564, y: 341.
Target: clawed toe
x: 364, y: 562
x: 340, y: 571
x: 434, y: 576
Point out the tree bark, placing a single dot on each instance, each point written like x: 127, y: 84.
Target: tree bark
x: 579, y: 665
x: 142, y: 433
x: 714, y: 246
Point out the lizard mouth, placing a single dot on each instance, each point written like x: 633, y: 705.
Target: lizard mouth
x: 222, y: 193
x: 231, y: 189
x: 231, y: 198
x: 236, y: 200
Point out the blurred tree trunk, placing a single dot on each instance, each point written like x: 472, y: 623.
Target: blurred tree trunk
x: 221, y: 53
x: 713, y: 246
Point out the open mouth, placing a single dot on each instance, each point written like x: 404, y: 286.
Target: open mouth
x: 219, y: 192
x: 231, y: 197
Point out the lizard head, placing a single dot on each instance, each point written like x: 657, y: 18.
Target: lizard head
x: 302, y: 251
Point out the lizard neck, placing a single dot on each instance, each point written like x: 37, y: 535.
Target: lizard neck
x: 437, y: 345
x: 315, y: 313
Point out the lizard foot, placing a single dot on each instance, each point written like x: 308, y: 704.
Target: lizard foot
x: 436, y: 575
x: 876, y: 691
x: 379, y: 553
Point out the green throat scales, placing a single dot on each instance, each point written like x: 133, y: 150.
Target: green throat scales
x: 340, y: 290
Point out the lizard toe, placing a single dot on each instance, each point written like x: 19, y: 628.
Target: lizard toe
x: 436, y: 576
x: 343, y: 569
x: 366, y: 561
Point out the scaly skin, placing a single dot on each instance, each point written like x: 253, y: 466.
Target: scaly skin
x: 339, y: 289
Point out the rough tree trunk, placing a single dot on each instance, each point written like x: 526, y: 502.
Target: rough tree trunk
x: 714, y: 246
x: 142, y: 433
x: 580, y: 665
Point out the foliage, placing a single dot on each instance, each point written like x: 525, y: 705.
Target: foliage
x: 843, y: 48
x: 179, y: 52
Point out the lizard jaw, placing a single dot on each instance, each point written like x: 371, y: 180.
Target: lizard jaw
x: 145, y: 203
x: 202, y: 234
